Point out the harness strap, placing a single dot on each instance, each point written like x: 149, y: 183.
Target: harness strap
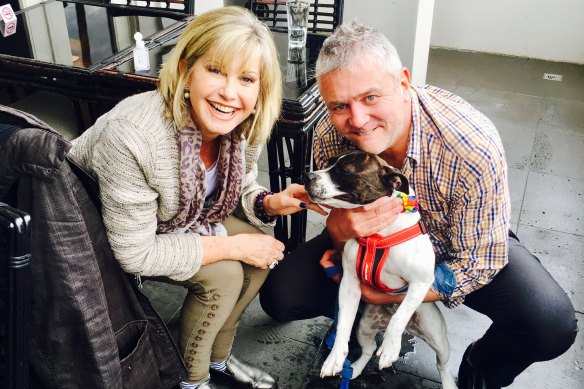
x: 374, y: 251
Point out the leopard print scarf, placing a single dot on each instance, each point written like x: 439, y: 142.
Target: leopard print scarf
x: 193, y: 216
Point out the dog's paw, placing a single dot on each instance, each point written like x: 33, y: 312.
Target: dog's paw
x: 334, y: 362
x: 388, y: 353
x: 357, y: 367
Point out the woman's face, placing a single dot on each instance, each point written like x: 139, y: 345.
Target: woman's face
x: 220, y: 99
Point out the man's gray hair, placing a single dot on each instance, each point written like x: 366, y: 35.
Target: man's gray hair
x: 348, y: 46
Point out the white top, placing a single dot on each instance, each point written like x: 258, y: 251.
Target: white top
x: 211, y: 179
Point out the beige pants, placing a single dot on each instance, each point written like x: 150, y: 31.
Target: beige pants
x: 217, y: 296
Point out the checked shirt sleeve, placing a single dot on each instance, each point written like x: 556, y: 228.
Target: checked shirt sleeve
x: 459, y: 173
x: 479, y: 224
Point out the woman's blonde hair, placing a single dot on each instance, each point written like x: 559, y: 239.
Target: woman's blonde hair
x: 228, y: 34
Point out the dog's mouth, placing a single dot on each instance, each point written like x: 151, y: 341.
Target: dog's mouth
x: 345, y: 197
x: 323, y: 199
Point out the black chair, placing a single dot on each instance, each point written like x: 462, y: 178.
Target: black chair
x: 184, y: 6
x: 324, y: 15
x: 15, y: 294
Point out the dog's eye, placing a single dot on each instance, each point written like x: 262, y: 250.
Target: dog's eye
x: 333, y: 160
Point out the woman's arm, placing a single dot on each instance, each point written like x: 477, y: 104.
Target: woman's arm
x: 286, y: 202
x: 124, y: 160
x: 257, y: 250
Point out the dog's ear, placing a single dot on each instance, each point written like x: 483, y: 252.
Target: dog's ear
x: 333, y: 160
x: 393, y: 180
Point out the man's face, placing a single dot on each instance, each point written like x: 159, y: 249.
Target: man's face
x: 369, y: 106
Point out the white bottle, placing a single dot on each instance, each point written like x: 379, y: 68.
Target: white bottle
x: 141, y: 58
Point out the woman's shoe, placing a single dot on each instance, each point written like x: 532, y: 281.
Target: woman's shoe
x: 238, y: 374
x: 207, y: 384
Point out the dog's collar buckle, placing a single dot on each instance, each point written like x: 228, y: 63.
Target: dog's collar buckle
x: 423, y: 226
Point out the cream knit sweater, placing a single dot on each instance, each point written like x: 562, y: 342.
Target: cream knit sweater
x: 132, y: 151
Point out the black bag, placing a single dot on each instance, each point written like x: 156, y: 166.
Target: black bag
x: 14, y: 297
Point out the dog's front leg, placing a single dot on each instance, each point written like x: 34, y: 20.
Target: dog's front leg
x: 388, y: 353
x: 349, y: 297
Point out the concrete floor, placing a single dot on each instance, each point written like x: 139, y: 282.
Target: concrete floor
x: 542, y: 127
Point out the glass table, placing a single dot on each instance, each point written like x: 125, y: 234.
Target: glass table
x: 59, y: 45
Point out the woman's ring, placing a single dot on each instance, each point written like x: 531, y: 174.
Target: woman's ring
x: 273, y: 264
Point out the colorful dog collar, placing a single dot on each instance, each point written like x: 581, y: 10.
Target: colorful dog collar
x: 410, y: 203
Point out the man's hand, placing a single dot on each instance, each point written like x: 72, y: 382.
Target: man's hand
x: 373, y: 296
x: 345, y: 224
x: 331, y: 258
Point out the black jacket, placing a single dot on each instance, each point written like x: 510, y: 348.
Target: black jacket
x: 90, y: 327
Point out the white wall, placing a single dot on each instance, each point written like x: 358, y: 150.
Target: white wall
x: 545, y: 29
x: 406, y: 23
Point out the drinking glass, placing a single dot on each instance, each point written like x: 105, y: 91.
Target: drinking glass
x: 297, y: 13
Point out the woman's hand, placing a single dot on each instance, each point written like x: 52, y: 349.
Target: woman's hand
x: 257, y: 250
x: 345, y: 224
x: 291, y: 200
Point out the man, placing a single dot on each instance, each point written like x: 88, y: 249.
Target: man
x: 455, y: 162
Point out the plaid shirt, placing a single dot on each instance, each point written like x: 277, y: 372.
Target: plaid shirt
x: 456, y: 165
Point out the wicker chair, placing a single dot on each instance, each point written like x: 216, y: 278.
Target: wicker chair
x: 324, y: 15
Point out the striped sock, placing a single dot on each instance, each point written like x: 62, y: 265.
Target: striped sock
x: 190, y: 385
x: 220, y: 366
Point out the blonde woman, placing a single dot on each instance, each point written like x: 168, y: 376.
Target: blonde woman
x: 175, y: 165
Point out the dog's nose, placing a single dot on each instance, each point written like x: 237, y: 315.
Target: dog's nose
x: 310, y: 176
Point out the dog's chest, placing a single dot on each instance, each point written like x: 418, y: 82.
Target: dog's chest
x: 376, y: 267
x: 391, y: 268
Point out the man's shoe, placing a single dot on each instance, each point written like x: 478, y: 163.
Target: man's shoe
x: 468, y: 376
x: 238, y: 374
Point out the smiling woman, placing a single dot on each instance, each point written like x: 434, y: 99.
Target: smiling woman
x: 222, y: 97
x: 222, y: 45
x: 175, y: 164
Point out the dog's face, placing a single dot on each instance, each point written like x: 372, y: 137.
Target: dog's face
x: 353, y: 179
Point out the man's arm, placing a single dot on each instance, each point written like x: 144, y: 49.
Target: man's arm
x: 373, y: 296
x: 478, y: 232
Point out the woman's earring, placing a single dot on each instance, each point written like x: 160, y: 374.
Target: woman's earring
x: 253, y: 111
x: 187, y: 94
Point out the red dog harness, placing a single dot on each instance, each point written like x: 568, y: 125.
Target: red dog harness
x: 374, y: 250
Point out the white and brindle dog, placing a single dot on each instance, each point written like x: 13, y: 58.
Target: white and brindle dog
x: 354, y: 179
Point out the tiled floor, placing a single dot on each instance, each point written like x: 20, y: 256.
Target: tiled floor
x: 542, y: 127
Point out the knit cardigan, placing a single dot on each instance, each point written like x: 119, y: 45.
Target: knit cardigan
x: 133, y: 153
